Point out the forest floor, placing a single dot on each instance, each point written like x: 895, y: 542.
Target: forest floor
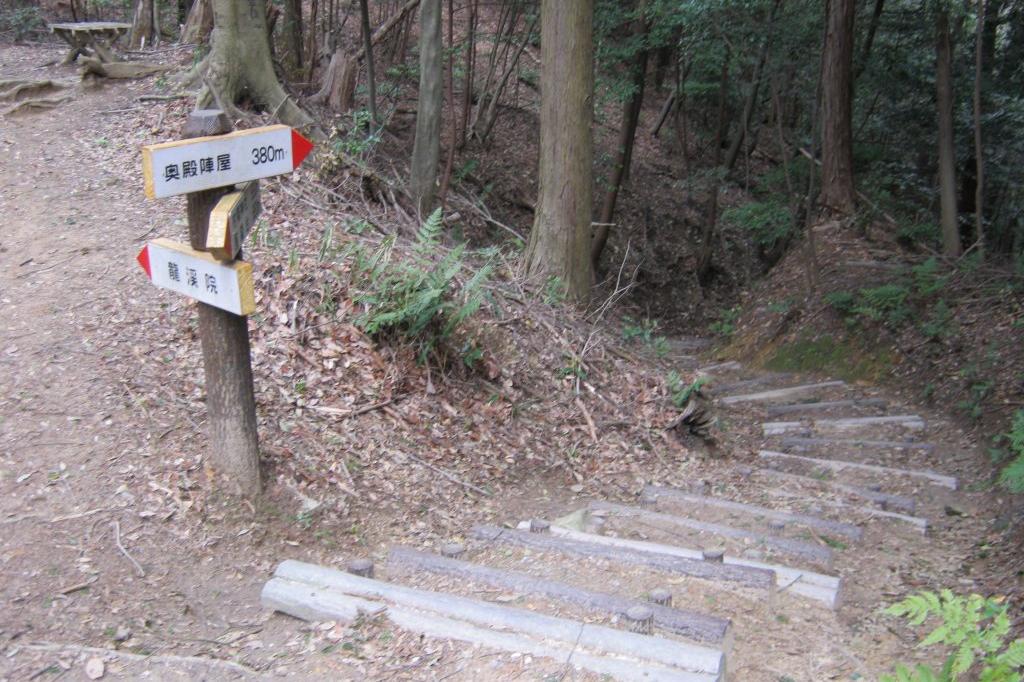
x: 113, y: 537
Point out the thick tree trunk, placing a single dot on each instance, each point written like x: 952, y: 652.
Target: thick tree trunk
x: 947, y: 156
x: 426, y: 149
x: 145, y: 30
x: 198, y: 24
x: 837, y: 190
x: 239, y: 63
x: 560, y: 240
x: 627, y: 135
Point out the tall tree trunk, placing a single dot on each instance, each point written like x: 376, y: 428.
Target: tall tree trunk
x: 293, y: 34
x: 468, y: 82
x: 707, y: 237
x: 144, y: 24
x: 979, y: 156
x: 364, y: 11
x: 198, y: 24
x: 627, y: 135
x: 837, y: 191
x: 947, y: 156
x: 239, y: 63
x: 755, y: 85
x: 869, y: 39
x: 426, y: 148
x: 560, y: 240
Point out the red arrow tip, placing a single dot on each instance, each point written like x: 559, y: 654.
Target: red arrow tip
x: 143, y: 259
x: 300, y: 148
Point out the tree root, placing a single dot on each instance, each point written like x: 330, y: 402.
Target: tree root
x: 91, y: 65
x: 35, y: 105
x: 18, y: 90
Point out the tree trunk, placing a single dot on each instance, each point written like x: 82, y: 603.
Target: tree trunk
x: 707, y: 237
x: 947, y: 155
x: 364, y: 11
x: 979, y: 156
x: 869, y: 39
x: 627, y: 135
x: 837, y: 191
x: 755, y: 85
x: 239, y: 64
x: 426, y: 149
x: 198, y: 24
x: 293, y: 34
x: 144, y: 25
x: 560, y: 240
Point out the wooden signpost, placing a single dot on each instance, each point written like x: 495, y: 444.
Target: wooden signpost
x: 231, y: 219
x: 206, y: 167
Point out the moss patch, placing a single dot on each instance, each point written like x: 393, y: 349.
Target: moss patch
x: 845, y: 358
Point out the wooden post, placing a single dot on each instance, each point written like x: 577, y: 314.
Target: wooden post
x: 230, y: 401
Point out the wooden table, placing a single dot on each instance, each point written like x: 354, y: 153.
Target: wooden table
x: 90, y: 38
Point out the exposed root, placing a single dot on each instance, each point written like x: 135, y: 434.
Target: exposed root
x: 91, y: 65
x: 35, y: 105
x: 18, y: 90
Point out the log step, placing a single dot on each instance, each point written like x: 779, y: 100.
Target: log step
x: 315, y: 593
x: 690, y: 563
x: 909, y: 422
x: 809, y: 444
x: 886, y: 500
x: 840, y: 465
x: 690, y: 624
x: 796, y: 408
x: 794, y: 548
x: 673, y: 495
x: 780, y: 393
x: 819, y: 587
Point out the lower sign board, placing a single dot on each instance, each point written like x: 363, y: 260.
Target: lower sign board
x: 231, y: 219
x: 199, y: 275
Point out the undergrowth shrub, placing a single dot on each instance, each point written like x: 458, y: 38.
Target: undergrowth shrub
x: 1012, y: 476
x: 418, y: 300
x: 973, y: 629
x: 769, y: 222
x: 681, y: 392
x: 21, y: 21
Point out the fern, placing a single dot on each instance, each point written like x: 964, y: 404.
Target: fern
x: 1013, y: 475
x: 974, y: 628
x: 417, y: 300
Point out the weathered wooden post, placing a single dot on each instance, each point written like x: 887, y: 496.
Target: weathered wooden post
x: 218, y: 171
x: 227, y: 368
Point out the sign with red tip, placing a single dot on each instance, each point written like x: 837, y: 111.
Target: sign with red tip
x: 143, y: 259
x: 301, y: 147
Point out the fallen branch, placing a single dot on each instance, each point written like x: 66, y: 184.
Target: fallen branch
x: 589, y: 420
x: 117, y: 539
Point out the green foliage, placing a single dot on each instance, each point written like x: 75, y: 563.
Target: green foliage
x: 974, y: 630
x: 352, y: 144
x: 644, y: 332
x: 886, y: 304
x: 927, y: 278
x: 940, y: 322
x: 842, y: 301
x: 843, y: 358
x: 769, y: 222
x: 418, y: 300
x: 22, y: 21
x: 681, y: 392
x: 726, y: 324
x: 1012, y: 476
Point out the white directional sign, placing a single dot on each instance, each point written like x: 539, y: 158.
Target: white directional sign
x: 202, y: 163
x: 231, y: 219
x: 199, y: 275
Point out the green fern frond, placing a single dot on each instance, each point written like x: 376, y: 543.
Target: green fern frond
x: 429, y: 234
